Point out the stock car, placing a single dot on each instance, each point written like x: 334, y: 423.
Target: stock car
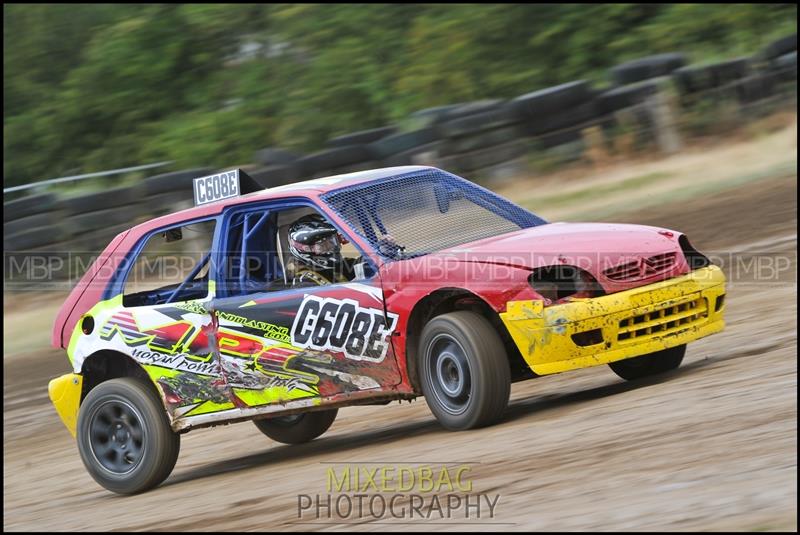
x: 456, y: 293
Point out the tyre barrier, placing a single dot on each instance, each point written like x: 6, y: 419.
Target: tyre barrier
x: 480, y: 140
x: 22, y: 224
x: 485, y: 138
x: 27, y: 206
x: 625, y: 96
x: 551, y: 100
x: 34, y: 237
x: 427, y: 154
x: 275, y: 156
x: 780, y: 47
x: 362, y: 137
x: 352, y: 168
x: 755, y: 87
x: 577, y: 115
x: 176, y: 181
x: 483, y: 158
x: 397, y: 143
x: 497, y: 117
x: 80, y: 223
x: 101, y: 200
x: 332, y: 158
x: 786, y: 67
x: 275, y: 175
x: 647, y: 68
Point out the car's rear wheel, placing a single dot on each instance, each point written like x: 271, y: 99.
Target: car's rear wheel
x: 650, y: 364
x: 124, y: 438
x: 463, y: 370
x: 297, y: 428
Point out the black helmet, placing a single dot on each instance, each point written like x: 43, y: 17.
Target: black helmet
x: 315, y: 242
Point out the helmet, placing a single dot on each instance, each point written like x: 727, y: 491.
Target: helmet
x: 315, y: 242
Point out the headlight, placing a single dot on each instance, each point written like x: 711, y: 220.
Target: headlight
x: 558, y: 282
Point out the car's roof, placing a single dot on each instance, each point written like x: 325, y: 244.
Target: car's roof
x: 307, y: 188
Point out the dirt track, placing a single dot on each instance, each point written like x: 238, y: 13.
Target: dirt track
x: 711, y: 446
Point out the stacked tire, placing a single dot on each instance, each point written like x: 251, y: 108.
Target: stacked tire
x: 32, y: 241
x: 554, y: 117
x: 483, y: 139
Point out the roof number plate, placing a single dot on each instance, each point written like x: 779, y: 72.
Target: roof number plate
x: 216, y: 187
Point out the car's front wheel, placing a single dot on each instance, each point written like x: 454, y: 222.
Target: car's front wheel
x: 297, y: 428
x: 463, y: 370
x: 124, y: 438
x: 650, y: 364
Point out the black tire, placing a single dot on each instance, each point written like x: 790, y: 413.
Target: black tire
x: 27, y: 206
x: 786, y: 67
x: 479, y: 122
x: 275, y: 175
x: 463, y: 370
x: 361, y: 137
x: 479, y: 159
x: 165, y: 203
x: 646, y: 68
x: 352, y: 168
x: 177, y: 181
x: 413, y: 156
x: 490, y: 138
x: 35, y: 237
x: 398, y: 143
x: 551, y: 100
x: 104, y: 218
x: 693, y: 79
x: 110, y: 418
x: 101, y: 200
x: 625, y: 96
x: 474, y: 107
x: 432, y: 116
x: 782, y: 46
x: 275, y: 156
x: 575, y: 116
x: 650, y: 364
x: 729, y: 71
x: 45, y: 219
x: 331, y: 159
x: 297, y: 428
x: 95, y: 242
x: 755, y: 87
x: 556, y: 139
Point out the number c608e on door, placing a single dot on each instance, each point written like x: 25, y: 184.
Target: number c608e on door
x: 328, y: 324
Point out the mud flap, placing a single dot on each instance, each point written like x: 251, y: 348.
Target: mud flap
x: 65, y: 393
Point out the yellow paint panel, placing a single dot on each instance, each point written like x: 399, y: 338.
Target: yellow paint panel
x: 208, y: 407
x: 65, y: 393
x: 629, y: 323
x: 276, y: 394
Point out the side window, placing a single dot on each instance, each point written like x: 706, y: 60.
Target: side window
x: 282, y: 249
x: 172, y: 266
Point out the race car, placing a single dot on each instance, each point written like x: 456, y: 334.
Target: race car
x: 446, y: 291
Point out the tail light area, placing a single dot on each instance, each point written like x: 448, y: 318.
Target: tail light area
x: 556, y: 283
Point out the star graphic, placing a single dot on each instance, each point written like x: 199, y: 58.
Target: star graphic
x: 251, y: 366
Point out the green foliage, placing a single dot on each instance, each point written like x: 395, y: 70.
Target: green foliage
x: 90, y: 87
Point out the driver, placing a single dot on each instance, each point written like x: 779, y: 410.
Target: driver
x: 315, y: 246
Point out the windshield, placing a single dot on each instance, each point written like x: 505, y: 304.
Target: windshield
x: 425, y: 211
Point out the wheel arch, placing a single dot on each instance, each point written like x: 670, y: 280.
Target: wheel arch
x: 451, y: 299
x: 108, y: 364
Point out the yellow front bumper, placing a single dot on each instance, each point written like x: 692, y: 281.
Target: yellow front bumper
x: 65, y: 393
x: 589, y: 332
